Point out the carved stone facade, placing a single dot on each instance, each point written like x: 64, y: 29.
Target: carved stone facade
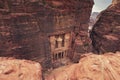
x: 31, y: 29
x: 60, y: 45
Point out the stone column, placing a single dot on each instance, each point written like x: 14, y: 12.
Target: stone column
x: 59, y: 42
x: 64, y: 54
x: 67, y: 40
x: 52, y: 42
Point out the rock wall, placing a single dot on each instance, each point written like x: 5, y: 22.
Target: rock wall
x: 115, y: 2
x: 14, y: 69
x: 90, y: 67
x: 106, y: 32
x: 25, y: 26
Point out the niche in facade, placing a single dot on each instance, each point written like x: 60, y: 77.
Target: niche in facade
x: 59, y: 41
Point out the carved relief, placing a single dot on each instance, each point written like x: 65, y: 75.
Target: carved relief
x: 59, y: 46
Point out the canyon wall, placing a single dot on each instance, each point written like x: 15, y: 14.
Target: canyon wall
x: 106, y: 32
x: 27, y: 25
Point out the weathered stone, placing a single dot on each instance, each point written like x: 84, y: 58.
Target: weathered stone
x: 115, y: 1
x: 90, y: 67
x: 106, y: 32
x: 13, y: 69
x: 27, y: 25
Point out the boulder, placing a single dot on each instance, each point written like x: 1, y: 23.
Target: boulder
x: 14, y: 69
x: 90, y: 67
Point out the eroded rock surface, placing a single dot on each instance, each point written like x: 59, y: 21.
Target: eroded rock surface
x: 106, y: 32
x: 115, y: 1
x: 13, y: 69
x: 90, y: 67
x: 27, y: 25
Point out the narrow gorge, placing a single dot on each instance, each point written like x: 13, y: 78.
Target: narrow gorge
x: 50, y: 40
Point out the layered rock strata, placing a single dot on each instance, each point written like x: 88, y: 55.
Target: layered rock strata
x: 26, y: 27
x: 106, y: 32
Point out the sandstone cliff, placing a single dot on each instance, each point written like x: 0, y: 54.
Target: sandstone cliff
x: 106, y: 32
x: 12, y: 69
x: 90, y: 67
x: 27, y: 25
x: 115, y: 2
